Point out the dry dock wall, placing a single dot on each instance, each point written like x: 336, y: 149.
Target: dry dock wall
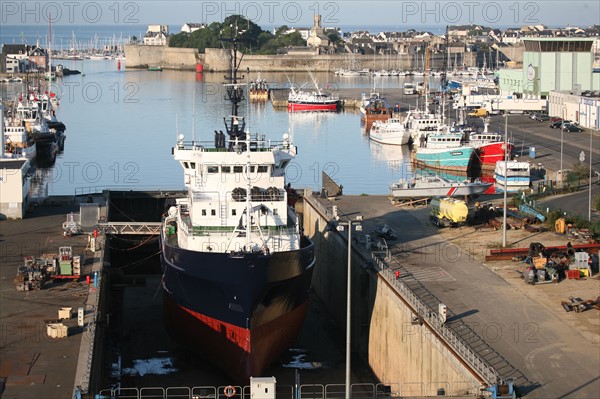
x: 410, y: 357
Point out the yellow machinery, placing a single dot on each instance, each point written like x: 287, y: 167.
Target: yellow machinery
x: 448, y: 211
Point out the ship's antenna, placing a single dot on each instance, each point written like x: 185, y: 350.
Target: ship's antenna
x: 248, y: 195
x: 194, y: 116
x: 235, y: 90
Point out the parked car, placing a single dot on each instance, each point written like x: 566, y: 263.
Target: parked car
x: 572, y: 128
x: 538, y: 116
x: 479, y: 112
x: 555, y: 119
x: 542, y: 118
x: 559, y: 124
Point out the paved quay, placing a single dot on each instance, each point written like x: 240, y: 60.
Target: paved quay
x: 546, y: 356
x: 33, y: 365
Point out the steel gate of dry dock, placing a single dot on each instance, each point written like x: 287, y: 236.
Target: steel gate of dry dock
x: 304, y: 391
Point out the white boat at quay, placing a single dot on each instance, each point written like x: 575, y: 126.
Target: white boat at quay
x: 435, y: 186
x: 391, y: 131
x: 512, y: 175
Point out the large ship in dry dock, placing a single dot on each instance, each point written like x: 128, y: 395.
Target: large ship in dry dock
x: 237, y: 268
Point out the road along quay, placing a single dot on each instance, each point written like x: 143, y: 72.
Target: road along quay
x: 508, y: 334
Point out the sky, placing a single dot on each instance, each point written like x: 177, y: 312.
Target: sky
x: 269, y: 13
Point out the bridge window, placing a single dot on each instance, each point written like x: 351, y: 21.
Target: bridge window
x: 263, y: 169
x: 233, y: 212
x: 238, y: 169
x: 186, y: 165
x: 213, y: 212
x: 225, y: 169
x: 193, y: 165
x: 275, y: 212
x: 203, y: 212
x: 212, y: 169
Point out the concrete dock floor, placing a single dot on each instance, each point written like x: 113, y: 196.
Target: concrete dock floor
x: 33, y: 365
x: 547, y: 356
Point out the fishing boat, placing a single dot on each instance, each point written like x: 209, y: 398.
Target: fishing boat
x: 391, y: 131
x: 28, y: 114
x: 374, y: 108
x: 18, y: 142
x: 258, y: 90
x: 373, y: 102
x: 444, y: 150
x: 490, y: 146
x: 435, y: 186
x: 512, y: 175
x: 47, y: 109
x: 236, y: 266
x: 312, y: 100
x: 421, y: 123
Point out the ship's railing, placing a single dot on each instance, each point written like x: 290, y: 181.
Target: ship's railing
x: 268, y: 231
x: 260, y: 145
x: 259, y: 196
x: 305, y: 391
x: 431, y: 317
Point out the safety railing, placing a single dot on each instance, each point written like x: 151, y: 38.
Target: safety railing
x: 487, y: 372
x: 305, y: 391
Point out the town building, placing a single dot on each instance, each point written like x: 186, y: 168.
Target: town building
x: 14, y: 58
x: 581, y: 107
x: 317, y: 37
x: 38, y: 58
x: 551, y: 64
x: 191, y: 27
x: 157, y: 35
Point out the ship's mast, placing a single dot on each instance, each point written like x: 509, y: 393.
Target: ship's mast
x: 235, y: 90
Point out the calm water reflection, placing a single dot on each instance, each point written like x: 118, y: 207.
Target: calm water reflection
x: 121, y: 125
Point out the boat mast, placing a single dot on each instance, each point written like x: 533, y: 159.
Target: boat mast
x: 235, y: 91
x: 426, y: 77
x: 49, y: 73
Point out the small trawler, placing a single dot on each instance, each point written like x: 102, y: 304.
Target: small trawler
x: 236, y: 266
x: 312, y: 100
x: 258, y: 90
x: 436, y: 186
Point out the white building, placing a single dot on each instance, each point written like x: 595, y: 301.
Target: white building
x: 190, y: 27
x: 14, y: 187
x: 157, y: 35
x: 583, y: 108
x: 15, y: 57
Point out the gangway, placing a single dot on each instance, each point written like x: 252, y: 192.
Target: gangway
x: 130, y: 228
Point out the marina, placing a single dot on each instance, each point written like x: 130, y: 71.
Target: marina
x: 212, y: 236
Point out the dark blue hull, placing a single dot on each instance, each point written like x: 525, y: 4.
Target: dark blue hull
x: 240, y: 311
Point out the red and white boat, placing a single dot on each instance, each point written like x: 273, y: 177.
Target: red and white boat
x: 312, y: 100
x: 490, y: 146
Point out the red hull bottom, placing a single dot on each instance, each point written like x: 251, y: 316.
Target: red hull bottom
x: 240, y: 352
x: 492, y: 153
x: 312, y: 107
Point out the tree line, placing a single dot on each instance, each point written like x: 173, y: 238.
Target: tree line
x: 252, y: 38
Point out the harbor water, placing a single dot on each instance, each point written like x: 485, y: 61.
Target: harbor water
x: 121, y: 125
